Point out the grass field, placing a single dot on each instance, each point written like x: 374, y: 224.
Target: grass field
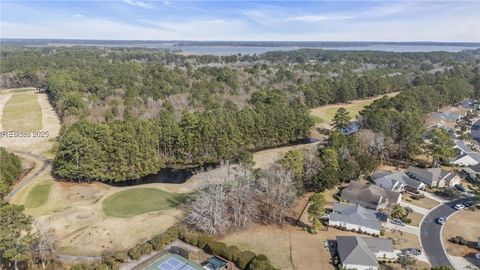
x: 134, y: 202
x: 22, y: 112
x: 324, y: 114
x: 38, y: 196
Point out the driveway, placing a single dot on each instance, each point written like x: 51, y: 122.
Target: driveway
x: 405, y: 228
x: 430, y: 233
x: 415, y: 208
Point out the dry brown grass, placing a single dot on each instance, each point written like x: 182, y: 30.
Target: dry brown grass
x: 426, y: 203
x: 465, y: 223
x: 267, y: 157
x: 402, y: 240
x: 272, y: 241
x: 416, y: 218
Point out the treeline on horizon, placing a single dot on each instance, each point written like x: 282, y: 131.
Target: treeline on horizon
x: 129, y: 112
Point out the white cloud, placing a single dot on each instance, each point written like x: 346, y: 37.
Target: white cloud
x: 138, y: 3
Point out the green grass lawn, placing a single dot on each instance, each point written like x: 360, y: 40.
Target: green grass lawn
x: 134, y: 202
x: 353, y: 110
x: 22, y: 112
x: 38, y: 196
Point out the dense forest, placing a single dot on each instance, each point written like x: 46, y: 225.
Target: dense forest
x: 129, y: 112
x: 10, y: 169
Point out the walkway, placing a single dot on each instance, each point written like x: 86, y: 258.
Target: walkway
x: 415, y: 208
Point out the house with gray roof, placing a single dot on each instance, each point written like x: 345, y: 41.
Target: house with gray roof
x: 475, y: 130
x: 356, y: 217
x: 397, y: 182
x: 363, y: 253
x: 434, y: 177
x: 465, y: 156
x: 370, y: 196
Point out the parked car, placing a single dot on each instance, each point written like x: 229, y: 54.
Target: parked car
x: 460, y: 188
x: 397, y: 221
x: 412, y: 251
x: 468, y: 204
x: 459, y: 206
x: 441, y: 220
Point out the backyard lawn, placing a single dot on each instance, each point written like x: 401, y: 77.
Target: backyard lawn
x: 22, y: 112
x: 38, y: 196
x: 134, y: 202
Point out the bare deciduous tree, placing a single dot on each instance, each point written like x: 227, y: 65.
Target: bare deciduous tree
x: 46, y: 245
x: 209, y: 211
x: 278, y: 193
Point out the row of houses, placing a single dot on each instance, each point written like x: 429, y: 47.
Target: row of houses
x: 363, y: 205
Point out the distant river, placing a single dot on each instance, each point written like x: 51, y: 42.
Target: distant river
x: 221, y: 50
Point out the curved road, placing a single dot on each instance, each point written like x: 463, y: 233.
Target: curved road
x: 430, y: 233
x: 29, y: 177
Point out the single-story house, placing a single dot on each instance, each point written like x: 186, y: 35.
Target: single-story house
x: 370, y: 196
x: 475, y: 130
x: 434, y: 177
x: 351, y: 128
x: 397, y: 182
x: 465, y: 156
x: 356, y: 217
x: 363, y: 253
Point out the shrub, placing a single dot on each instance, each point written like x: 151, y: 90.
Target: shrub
x: 407, y: 220
x: 418, y: 196
x: 244, y: 259
x: 459, y: 240
x: 216, y: 248
x: 203, y: 240
x: 260, y: 262
x: 191, y: 238
x: 121, y: 256
x: 235, y: 251
x: 158, y: 242
x: 146, y: 248
x: 135, y: 252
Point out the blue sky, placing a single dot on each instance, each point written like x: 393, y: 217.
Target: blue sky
x: 243, y: 20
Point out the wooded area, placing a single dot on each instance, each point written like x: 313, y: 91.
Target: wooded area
x: 129, y: 112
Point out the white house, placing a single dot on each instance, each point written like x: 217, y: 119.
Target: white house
x: 397, y: 182
x: 434, y: 177
x: 363, y: 253
x: 356, y: 217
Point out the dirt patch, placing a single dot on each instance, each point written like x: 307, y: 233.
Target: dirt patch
x: 463, y: 223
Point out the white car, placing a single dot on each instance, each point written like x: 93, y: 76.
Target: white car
x: 459, y: 206
x: 441, y: 220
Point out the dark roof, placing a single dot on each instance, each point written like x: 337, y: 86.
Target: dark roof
x: 367, y: 193
x: 361, y: 250
x: 430, y: 175
x: 401, y: 177
x: 356, y: 214
x: 214, y: 263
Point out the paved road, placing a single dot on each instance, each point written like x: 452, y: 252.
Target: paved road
x: 430, y: 233
x: 32, y: 175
